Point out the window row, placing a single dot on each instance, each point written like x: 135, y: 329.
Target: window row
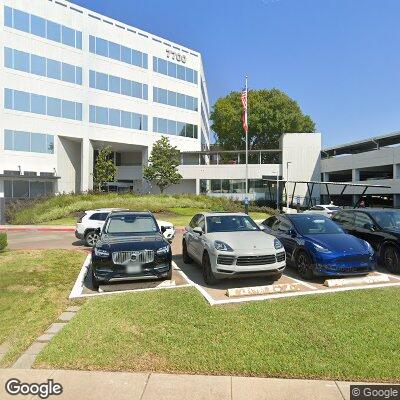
x: 44, y: 28
x: 230, y: 186
x: 162, y: 125
x: 42, y: 66
x: 117, y: 52
x: 27, y: 188
x: 174, y: 70
x: 170, y: 98
x: 115, y: 84
x: 111, y: 116
x: 38, y: 104
x: 28, y: 141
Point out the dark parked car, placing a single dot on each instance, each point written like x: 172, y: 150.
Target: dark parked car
x: 316, y: 246
x: 379, y: 227
x: 130, y: 247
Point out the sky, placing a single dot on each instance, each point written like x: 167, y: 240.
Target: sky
x: 339, y: 59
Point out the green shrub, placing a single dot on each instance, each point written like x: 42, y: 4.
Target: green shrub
x: 3, y: 240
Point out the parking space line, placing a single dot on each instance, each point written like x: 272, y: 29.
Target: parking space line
x: 78, y: 286
x: 390, y: 275
x: 302, y: 282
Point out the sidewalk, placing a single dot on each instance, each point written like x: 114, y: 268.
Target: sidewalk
x: 85, y: 385
x: 38, y: 228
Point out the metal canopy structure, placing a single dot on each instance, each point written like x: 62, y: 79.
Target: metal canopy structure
x: 311, y: 185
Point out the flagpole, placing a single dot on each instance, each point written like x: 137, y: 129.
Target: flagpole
x: 247, y: 142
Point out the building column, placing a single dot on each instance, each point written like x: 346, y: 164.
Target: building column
x: 355, y: 175
x: 86, y: 165
x: 197, y: 186
x: 396, y: 200
x: 396, y: 171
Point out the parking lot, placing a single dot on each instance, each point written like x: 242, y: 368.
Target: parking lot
x: 246, y: 289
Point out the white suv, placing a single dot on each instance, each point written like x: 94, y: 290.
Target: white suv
x: 88, y: 224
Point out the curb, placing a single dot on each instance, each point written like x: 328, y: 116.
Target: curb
x: 37, y: 228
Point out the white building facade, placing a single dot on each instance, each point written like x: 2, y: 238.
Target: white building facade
x: 74, y: 81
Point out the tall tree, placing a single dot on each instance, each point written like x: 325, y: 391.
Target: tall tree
x: 163, y: 165
x: 104, y: 170
x: 270, y: 114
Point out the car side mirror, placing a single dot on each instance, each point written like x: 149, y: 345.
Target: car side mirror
x: 262, y: 227
x: 163, y: 229
x: 198, y: 230
x: 292, y: 233
x: 369, y: 226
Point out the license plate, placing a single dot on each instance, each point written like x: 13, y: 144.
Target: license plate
x: 133, y: 269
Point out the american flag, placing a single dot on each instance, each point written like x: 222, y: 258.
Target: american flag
x: 244, y: 115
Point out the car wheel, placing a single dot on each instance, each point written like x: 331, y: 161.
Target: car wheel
x: 391, y: 259
x: 169, y: 275
x: 95, y: 282
x: 304, y: 265
x: 185, y: 254
x: 91, y: 238
x: 208, y: 275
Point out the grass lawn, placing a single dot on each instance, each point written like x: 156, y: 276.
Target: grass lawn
x: 34, y: 287
x: 348, y: 335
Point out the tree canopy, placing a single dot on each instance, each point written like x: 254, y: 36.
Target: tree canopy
x: 104, y: 170
x: 270, y: 114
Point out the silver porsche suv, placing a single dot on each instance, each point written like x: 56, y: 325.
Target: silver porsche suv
x: 229, y: 245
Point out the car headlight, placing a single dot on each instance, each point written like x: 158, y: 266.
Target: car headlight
x: 221, y: 246
x: 321, y: 249
x: 369, y: 247
x: 101, y: 252
x: 163, y: 250
x: 277, y: 244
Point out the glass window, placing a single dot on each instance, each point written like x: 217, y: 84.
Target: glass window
x: 21, y: 61
x: 78, y: 111
x: 37, y: 189
x: 155, y: 129
x: 78, y: 39
x: 195, y: 79
x: 180, y: 72
x: 126, y: 55
x: 114, y: 117
x: 215, y: 185
x: 189, y: 75
x: 68, y: 36
x: 53, y: 69
x: 136, y: 58
x: 8, y: 140
x: 68, y: 73
x: 144, y: 122
x: 126, y: 119
x: 145, y: 62
x: 92, y: 113
x: 92, y: 44
x: 8, y: 57
x: 180, y: 128
x: 92, y: 79
x: 172, y: 127
x: 78, y: 75
x: 68, y: 109
x: 53, y: 107
x: 22, y: 141
x: 189, y: 130
x: 136, y: 121
x: 38, y: 65
x: 181, y: 100
x: 53, y: 31
x: 162, y: 96
x: 155, y: 94
x: 101, y: 81
x: 162, y: 125
x: 101, y: 47
x: 102, y: 115
x: 21, y: 20
x: 362, y: 220
x: 114, y: 51
x: 172, y: 98
x: 20, y: 188
x: 50, y: 144
x: 38, y: 143
x: 8, y: 16
x: 126, y: 87
x: 189, y: 103
x: 155, y: 63
x: 136, y: 89
x: 21, y: 101
x: 195, y: 106
x: 162, y: 66
x: 8, y: 188
x: 195, y: 133
x: 145, y: 92
x: 38, y: 104
x: 172, y: 69
x: 115, y: 84
x: 8, y: 98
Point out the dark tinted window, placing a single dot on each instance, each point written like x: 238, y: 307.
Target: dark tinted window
x: 201, y: 223
x: 269, y: 221
x: 193, y: 222
x: 361, y: 219
x: 99, y: 216
x: 313, y: 224
x: 387, y: 219
x: 231, y: 223
x: 284, y: 226
x: 345, y: 217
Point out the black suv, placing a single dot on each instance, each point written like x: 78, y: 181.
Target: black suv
x: 379, y: 227
x: 130, y: 247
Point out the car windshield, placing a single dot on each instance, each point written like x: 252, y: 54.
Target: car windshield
x: 311, y: 225
x: 131, y: 225
x: 387, y: 219
x: 230, y: 223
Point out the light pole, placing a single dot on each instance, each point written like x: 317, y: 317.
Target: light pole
x: 287, y: 186
x: 277, y: 189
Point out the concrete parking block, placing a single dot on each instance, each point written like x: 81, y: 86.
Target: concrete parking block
x: 46, y: 337
x: 183, y: 387
x: 55, y: 327
x: 283, y: 389
x: 66, y: 316
x: 35, y: 348
x: 100, y: 385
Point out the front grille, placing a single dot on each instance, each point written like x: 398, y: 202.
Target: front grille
x: 355, y: 258
x: 256, y: 260
x: 140, y: 257
x: 280, y: 257
x: 225, y: 260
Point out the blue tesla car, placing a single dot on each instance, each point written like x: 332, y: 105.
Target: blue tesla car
x: 317, y: 246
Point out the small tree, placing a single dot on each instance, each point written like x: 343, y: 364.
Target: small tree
x: 163, y: 163
x: 104, y: 170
